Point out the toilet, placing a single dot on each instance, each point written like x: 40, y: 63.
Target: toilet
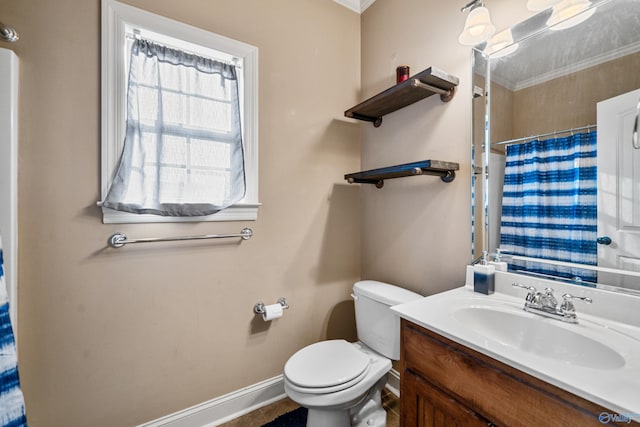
x: 340, y: 382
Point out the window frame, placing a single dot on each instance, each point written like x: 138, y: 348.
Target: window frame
x: 116, y: 19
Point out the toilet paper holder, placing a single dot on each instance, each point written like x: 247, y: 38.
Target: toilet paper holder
x: 259, y: 307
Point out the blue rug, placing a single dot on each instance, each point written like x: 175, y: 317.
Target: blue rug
x: 295, y: 418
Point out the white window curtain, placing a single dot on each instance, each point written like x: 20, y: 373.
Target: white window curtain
x: 183, y: 152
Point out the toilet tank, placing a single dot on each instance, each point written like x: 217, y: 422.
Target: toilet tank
x: 378, y: 327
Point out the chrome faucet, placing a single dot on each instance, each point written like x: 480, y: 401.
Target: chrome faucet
x: 567, y: 307
x: 546, y: 304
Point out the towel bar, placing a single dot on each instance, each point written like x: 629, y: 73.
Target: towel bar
x: 118, y: 240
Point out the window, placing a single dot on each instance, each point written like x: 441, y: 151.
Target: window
x: 125, y: 26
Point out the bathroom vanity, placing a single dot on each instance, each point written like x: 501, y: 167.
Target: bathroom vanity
x: 445, y: 383
x: 470, y: 359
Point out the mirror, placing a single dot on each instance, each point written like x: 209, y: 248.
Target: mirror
x: 555, y: 173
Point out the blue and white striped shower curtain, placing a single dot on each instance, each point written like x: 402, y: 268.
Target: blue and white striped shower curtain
x: 549, y: 204
x: 12, y: 412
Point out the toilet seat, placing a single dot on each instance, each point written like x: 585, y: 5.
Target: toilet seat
x: 326, y: 367
x: 327, y: 390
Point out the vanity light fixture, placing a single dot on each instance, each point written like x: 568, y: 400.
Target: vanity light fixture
x: 569, y: 13
x: 478, y: 27
x: 538, y: 5
x: 501, y: 44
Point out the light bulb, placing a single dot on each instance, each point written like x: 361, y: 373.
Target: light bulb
x: 501, y: 44
x: 569, y: 13
x: 478, y: 27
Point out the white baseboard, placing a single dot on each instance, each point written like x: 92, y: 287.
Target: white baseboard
x: 393, y: 382
x: 240, y: 402
x: 225, y: 408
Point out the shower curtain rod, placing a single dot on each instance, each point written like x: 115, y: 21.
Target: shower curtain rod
x: 526, y: 138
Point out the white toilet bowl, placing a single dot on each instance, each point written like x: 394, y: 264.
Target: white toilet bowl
x: 339, y: 383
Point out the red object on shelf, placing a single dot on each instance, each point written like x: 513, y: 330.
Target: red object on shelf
x: 402, y: 73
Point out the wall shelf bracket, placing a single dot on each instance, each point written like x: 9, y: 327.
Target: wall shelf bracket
x: 445, y: 170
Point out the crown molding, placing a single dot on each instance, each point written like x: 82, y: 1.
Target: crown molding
x: 357, y: 6
x: 578, y: 66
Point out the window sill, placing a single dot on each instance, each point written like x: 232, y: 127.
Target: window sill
x: 238, y: 212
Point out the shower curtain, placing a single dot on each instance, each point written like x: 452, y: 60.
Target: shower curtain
x: 549, y: 204
x: 12, y: 411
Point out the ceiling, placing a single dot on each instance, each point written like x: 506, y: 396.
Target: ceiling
x: 611, y: 32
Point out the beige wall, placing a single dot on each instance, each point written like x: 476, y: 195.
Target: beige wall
x: 502, y: 115
x: 416, y: 231
x: 570, y: 101
x: 118, y: 337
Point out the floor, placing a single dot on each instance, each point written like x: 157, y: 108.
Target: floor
x: 268, y: 413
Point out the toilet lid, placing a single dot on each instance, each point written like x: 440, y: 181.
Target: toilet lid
x: 326, y: 364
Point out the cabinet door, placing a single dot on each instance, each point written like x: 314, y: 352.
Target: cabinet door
x: 427, y: 406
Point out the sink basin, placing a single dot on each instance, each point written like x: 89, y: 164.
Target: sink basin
x: 545, y: 338
x: 597, y: 359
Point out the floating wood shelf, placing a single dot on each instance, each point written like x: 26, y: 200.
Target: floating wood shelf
x: 445, y: 170
x: 424, y: 84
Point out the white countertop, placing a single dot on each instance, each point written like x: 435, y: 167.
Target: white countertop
x: 614, y: 385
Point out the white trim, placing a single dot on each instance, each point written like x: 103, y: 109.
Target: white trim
x: 116, y: 17
x: 393, y: 382
x: 573, y: 68
x: 9, y: 177
x: 225, y: 408
x: 357, y: 6
x: 364, y: 4
x: 350, y: 4
x: 240, y: 402
x: 239, y: 212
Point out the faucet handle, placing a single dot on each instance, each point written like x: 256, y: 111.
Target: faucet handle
x: 529, y: 288
x: 567, y: 303
x: 533, y: 292
x: 550, y: 298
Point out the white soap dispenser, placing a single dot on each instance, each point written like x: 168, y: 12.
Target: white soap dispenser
x: 497, y: 263
x: 484, y: 277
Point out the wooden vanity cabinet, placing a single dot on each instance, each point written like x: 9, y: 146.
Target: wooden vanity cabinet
x: 446, y: 384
